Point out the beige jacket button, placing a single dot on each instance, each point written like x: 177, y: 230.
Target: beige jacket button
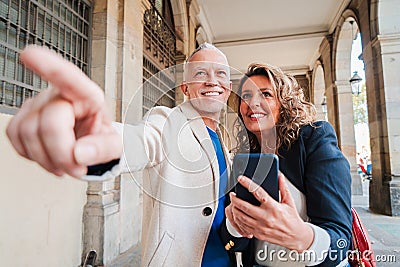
x: 207, y: 211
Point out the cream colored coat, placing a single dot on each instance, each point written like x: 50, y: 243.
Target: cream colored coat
x: 180, y: 179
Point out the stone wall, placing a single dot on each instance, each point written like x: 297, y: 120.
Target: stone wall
x: 41, y: 215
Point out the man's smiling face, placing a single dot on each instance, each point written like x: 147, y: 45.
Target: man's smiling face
x: 207, y: 82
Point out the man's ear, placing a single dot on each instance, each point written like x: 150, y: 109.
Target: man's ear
x: 230, y: 90
x: 184, y: 89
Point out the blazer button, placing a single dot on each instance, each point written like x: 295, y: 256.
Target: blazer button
x: 207, y: 211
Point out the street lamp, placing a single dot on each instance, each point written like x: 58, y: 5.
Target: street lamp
x: 355, y: 83
x: 324, y: 107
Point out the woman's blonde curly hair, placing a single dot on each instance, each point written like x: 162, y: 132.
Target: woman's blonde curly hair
x: 294, y: 111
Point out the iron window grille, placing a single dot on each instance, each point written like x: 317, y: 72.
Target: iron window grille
x: 158, y: 87
x: 159, y: 44
x: 64, y: 26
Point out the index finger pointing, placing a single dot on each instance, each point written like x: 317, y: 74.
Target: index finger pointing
x: 71, y: 82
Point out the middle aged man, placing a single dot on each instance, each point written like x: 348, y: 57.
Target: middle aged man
x: 66, y: 128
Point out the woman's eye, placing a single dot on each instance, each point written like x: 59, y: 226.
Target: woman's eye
x: 266, y: 94
x: 246, y: 96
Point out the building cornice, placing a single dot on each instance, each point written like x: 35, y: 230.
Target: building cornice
x: 266, y: 39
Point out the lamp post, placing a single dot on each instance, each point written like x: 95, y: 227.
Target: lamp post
x: 324, y: 107
x: 355, y: 82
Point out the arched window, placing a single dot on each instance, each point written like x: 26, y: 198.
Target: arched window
x: 159, y: 46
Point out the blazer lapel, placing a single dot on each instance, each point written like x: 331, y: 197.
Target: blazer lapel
x: 200, y: 132
x: 228, y: 160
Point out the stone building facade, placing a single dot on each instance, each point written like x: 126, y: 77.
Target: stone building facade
x: 378, y: 23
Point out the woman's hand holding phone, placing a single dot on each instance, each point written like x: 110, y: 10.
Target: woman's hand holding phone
x: 272, y: 221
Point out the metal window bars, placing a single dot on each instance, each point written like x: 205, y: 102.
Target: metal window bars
x: 63, y: 26
x: 158, y: 87
x: 159, y: 44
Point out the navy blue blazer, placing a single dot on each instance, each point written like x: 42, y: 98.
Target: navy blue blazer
x: 316, y: 166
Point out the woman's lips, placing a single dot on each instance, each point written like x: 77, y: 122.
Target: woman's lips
x: 257, y: 116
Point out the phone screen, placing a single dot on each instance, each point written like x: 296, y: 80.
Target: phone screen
x: 262, y: 169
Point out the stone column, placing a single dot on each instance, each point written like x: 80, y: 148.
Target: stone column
x: 112, y: 214
x: 382, y: 58
x: 330, y: 88
x: 347, y: 136
x: 193, y: 11
x: 340, y: 112
x: 100, y: 215
x: 130, y: 84
x: 185, y: 42
x: 100, y: 222
x: 332, y: 113
x: 318, y: 90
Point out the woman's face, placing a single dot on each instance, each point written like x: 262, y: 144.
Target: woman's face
x: 259, y: 106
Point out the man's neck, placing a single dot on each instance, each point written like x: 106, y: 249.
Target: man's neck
x: 210, y: 123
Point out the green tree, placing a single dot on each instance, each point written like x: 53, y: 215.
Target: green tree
x: 360, y: 106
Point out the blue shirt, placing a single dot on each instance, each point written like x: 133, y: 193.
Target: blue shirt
x: 215, y: 253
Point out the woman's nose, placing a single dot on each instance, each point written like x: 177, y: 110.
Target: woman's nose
x: 255, y: 101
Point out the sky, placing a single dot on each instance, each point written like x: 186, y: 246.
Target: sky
x: 356, y: 64
x: 361, y: 130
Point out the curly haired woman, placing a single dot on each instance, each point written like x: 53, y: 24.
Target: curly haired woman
x: 311, y: 224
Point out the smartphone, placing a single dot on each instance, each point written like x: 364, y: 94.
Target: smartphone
x: 262, y: 169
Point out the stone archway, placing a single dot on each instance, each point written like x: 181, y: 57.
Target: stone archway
x: 319, y: 90
x: 344, y: 35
